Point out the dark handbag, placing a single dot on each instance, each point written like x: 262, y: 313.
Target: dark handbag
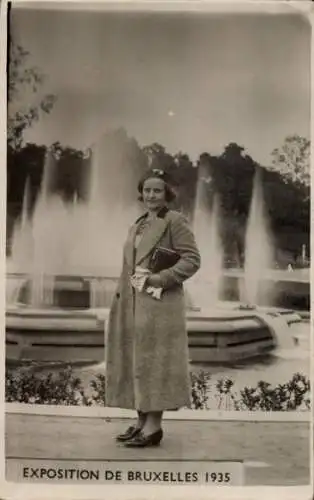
x: 162, y: 258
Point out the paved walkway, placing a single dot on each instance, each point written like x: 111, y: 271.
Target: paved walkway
x: 274, y: 453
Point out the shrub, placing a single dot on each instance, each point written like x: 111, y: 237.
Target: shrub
x: 292, y: 395
x: 24, y: 385
x: 200, y: 389
x: 27, y: 386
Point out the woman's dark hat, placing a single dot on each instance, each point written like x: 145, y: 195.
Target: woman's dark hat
x: 157, y: 173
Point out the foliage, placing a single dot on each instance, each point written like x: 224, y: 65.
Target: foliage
x: 292, y: 395
x: 98, y: 389
x: 292, y: 160
x: 27, y: 386
x: 158, y: 157
x: 26, y: 162
x: 24, y: 82
x: 286, y: 201
x: 200, y: 388
x: 24, y: 385
x: 284, y: 397
x: 231, y: 176
x: 70, y: 171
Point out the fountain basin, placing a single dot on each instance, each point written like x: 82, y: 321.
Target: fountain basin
x: 53, y: 335
x: 222, y: 334
x: 78, y: 336
x: 288, y: 289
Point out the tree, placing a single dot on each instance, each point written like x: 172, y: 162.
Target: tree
x: 158, y: 157
x: 27, y: 162
x: 292, y: 160
x: 233, y: 152
x: 71, y: 171
x: 24, y: 105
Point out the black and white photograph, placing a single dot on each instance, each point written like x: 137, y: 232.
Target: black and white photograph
x: 157, y: 291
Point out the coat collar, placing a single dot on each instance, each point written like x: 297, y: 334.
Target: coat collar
x: 160, y: 215
x: 150, y: 238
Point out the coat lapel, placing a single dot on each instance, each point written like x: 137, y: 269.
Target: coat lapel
x: 129, y: 246
x: 150, y: 238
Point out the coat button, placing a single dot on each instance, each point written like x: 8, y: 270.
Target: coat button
x: 118, y: 295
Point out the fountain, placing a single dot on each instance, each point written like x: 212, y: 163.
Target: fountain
x: 21, y: 242
x: 206, y: 284
x: 258, y: 250
x: 78, y: 239
x: 74, y: 257
x: 66, y: 257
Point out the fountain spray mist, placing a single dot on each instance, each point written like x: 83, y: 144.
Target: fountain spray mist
x: 21, y: 238
x: 46, y: 230
x: 258, y: 249
x: 103, y: 221
x: 205, y: 286
x: 80, y: 239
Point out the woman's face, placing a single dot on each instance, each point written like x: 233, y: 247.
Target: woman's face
x: 154, y: 194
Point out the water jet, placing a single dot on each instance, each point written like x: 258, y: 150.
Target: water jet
x: 60, y: 298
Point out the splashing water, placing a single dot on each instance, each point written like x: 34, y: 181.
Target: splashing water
x: 111, y: 208
x: 81, y: 239
x: 21, y: 241
x: 206, y: 284
x: 258, y: 249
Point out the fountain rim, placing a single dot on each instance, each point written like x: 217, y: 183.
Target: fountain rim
x: 192, y: 314
x: 232, y: 273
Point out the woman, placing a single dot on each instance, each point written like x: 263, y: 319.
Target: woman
x: 147, y: 347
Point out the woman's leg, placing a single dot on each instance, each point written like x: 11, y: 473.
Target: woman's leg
x: 153, y: 422
x: 141, y: 419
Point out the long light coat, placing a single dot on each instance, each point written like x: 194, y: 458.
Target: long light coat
x: 147, y: 344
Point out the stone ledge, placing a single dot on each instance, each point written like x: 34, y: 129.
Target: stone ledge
x: 272, y: 453
x: 194, y: 415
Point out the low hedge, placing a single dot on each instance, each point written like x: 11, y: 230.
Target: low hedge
x: 64, y: 387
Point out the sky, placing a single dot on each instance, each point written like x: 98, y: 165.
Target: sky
x: 192, y: 82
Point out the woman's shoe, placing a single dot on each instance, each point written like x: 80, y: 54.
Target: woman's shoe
x: 142, y: 441
x: 130, y: 433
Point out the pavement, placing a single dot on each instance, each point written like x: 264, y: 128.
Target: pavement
x: 274, y: 453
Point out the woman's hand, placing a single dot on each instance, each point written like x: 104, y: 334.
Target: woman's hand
x: 154, y: 280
